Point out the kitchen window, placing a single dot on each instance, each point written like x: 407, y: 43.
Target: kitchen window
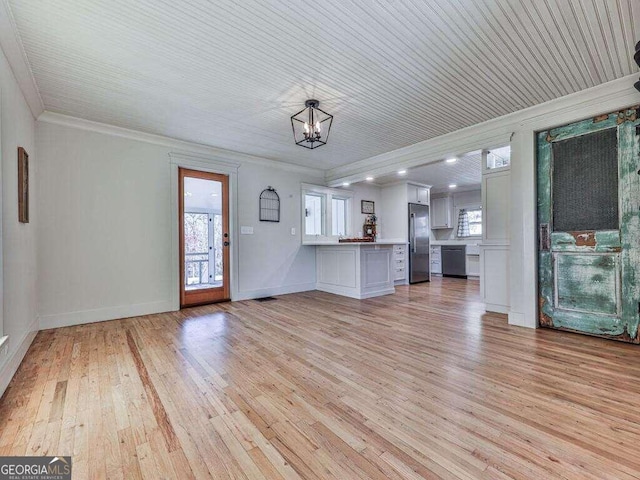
x: 313, y: 214
x: 469, y: 222
x: 339, y: 216
x: 326, y: 213
x: 475, y: 222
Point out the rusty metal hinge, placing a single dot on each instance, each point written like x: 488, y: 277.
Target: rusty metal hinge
x: 544, y: 238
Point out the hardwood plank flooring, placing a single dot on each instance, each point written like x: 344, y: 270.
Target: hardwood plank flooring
x: 420, y: 384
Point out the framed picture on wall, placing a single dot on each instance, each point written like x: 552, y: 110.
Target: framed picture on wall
x: 23, y: 185
x: 367, y: 207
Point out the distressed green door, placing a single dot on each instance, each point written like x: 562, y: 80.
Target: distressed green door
x: 589, y: 226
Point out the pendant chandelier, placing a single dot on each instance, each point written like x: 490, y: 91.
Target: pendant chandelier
x: 311, y: 125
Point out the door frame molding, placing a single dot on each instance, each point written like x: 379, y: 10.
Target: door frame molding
x: 208, y: 164
x: 605, y: 98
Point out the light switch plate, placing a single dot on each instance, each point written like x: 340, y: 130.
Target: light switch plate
x: 246, y: 230
x: 293, y: 230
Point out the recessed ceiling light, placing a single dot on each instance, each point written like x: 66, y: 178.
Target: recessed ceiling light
x: 187, y: 194
x: 369, y: 179
x: 214, y: 194
x: 345, y: 184
x: 451, y: 160
x: 402, y: 172
x: 453, y: 185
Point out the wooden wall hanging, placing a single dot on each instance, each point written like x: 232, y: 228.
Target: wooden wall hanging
x: 23, y: 185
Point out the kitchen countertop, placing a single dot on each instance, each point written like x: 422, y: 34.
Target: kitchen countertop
x: 473, y: 248
x: 455, y: 242
x: 379, y: 242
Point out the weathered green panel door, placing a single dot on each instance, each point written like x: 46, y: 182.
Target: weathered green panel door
x: 589, y: 226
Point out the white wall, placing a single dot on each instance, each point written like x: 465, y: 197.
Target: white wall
x: 18, y: 312
x: 362, y: 191
x: 105, y: 240
x: 272, y: 261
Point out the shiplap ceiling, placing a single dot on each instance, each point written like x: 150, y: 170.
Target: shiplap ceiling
x: 466, y: 173
x: 230, y: 73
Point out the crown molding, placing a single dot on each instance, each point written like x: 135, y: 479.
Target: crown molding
x: 602, y: 98
x: 178, y: 147
x: 17, y: 58
x: 222, y: 164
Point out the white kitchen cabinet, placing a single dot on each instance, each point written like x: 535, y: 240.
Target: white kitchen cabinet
x: 356, y: 270
x: 394, y: 211
x: 400, y: 264
x: 495, y: 208
x: 441, y: 213
x: 418, y: 194
x: 494, y: 251
x: 473, y: 264
x: 494, y: 278
x: 435, y: 253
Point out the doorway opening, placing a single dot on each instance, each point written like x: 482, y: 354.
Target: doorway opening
x: 204, y: 237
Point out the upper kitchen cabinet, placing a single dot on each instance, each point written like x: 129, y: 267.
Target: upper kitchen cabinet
x: 495, y: 208
x: 418, y: 194
x: 394, y: 210
x: 441, y: 213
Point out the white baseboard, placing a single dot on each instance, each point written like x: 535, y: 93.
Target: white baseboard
x: 490, y: 307
x: 353, y: 292
x: 104, y: 314
x: 518, y: 319
x: 13, y: 362
x: 270, y: 292
x: 378, y: 293
x: 125, y: 311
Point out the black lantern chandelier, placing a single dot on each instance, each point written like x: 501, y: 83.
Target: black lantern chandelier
x: 636, y: 57
x: 311, y: 125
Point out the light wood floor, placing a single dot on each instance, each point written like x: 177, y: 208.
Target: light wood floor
x: 421, y: 384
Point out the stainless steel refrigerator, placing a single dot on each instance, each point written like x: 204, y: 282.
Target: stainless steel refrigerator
x: 419, y: 243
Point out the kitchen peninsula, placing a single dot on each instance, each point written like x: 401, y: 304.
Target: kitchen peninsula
x: 359, y: 269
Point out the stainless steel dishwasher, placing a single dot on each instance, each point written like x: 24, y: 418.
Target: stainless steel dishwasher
x: 454, y: 261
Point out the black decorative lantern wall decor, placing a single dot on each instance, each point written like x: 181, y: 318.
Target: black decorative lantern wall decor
x: 269, y: 205
x: 311, y: 125
x: 636, y: 57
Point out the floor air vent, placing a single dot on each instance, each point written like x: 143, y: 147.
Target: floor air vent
x: 265, y: 299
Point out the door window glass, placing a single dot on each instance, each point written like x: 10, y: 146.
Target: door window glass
x: 203, y: 242
x: 499, y: 157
